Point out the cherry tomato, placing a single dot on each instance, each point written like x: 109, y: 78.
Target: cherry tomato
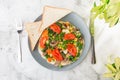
x: 72, y: 49
x: 55, y: 28
x: 69, y: 36
x: 43, y: 41
x: 56, y: 54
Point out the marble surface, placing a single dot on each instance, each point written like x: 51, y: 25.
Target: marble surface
x: 106, y: 42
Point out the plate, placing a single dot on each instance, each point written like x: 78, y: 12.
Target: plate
x: 76, y: 20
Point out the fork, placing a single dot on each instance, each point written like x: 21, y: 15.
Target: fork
x: 19, y: 28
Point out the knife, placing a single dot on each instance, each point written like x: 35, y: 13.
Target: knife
x: 91, y: 27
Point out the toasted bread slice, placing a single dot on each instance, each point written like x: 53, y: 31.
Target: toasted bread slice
x: 34, y: 33
x: 52, y: 14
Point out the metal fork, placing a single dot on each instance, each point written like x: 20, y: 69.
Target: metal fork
x: 19, y: 28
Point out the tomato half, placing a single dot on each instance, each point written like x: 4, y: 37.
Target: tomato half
x: 69, y: 36
x: 55, y: 28
x: 56, y: 54
x: 72, y: 49
x: 43, y: 41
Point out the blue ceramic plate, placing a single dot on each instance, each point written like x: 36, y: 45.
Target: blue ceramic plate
x: 79, y: 23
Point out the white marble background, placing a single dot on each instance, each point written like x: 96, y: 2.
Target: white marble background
x: 106, y: 42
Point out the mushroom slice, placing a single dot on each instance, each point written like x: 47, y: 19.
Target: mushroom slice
x: 65, y: 62
x: 53, y: 43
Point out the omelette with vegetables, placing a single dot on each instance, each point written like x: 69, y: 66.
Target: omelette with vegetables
x: 61, y: 43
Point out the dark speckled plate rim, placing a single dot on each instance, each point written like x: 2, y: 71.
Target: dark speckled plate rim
x: 50, y: 66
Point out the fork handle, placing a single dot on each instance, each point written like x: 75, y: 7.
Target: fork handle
x: 93, y: 60
x: 20, y: 50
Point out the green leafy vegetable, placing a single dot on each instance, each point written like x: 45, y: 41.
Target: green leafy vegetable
x: 79, y: 45
x: 109, y: 10
x: 114, y: 70
x: 51, y: 33
x: 71, y: 58
x: 110, y: 67
x: 47, y: 56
